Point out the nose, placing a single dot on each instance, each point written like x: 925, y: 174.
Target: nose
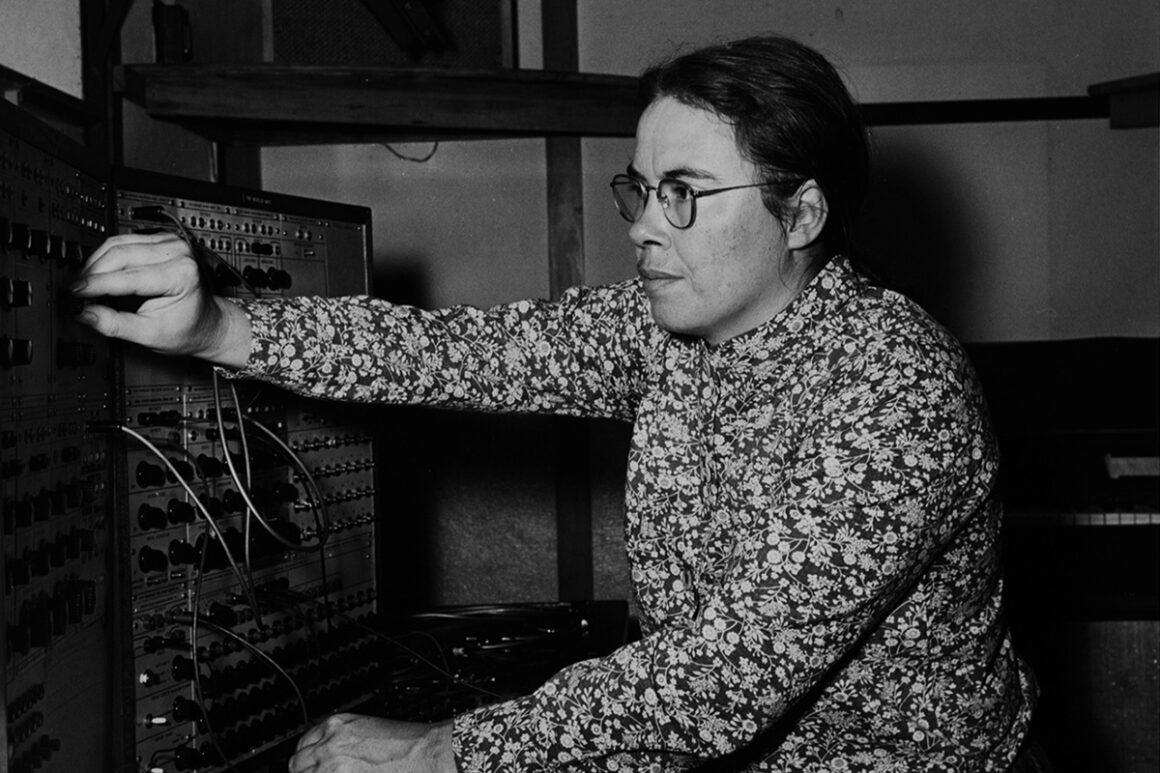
x: 651, y: 228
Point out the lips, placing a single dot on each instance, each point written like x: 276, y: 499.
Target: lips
x: 653, y: 275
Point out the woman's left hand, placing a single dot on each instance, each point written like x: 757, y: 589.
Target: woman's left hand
x: 351, y: 743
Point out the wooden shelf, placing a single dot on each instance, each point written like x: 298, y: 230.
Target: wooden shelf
x: 279, y: 105
x: 1132, y: 102
x: 300, y: 105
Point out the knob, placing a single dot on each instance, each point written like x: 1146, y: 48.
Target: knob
x: 183, y: 468
x: 180, y: 512
x: 223, y: 615
x: 38, y: 243
x: 19, y: 572
x: 19, y: 237
x: 254, y: 277
x: 21, y: 511
x: 232, y: 501
x: 182, y: 668
x: 278, y: 279
x: 224, y: 276
x: 150, y: 475
x: 72, y: 545
x: 15, y: 352
x: 150, y: 517
x: 185, y: 710
x: 150, y: 560
x: 15, y: 293
x: 38, y: 559
x: 42, y: 505
x: 74, y: 253
x: 56, y: 248
x: 56, y: 551
x: 209, y: 466
x: 181, y: 552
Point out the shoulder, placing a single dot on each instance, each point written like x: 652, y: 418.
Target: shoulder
x: 888, y: 325
x: 883, y: 342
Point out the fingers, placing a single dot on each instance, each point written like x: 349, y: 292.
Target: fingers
x: 324, y: 729
x: 157, y: 277
x: 307, y: 753
x: 115, y: 250
x: 118, y: 324
x: 310, y: 737
x: 135, y: 264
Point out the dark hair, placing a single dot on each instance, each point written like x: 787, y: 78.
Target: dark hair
x: 792, y: 115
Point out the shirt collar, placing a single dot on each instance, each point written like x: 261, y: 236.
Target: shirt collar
x: 828, y: 291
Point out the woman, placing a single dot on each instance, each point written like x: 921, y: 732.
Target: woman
x: 811, y: 522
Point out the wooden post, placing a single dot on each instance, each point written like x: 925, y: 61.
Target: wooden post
x: 566, y: 261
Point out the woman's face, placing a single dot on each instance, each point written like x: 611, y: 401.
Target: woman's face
x: 728, y: 273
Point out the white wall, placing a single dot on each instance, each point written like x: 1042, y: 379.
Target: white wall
x: 1011, y: 218
x: 42, y: 39
x: 1015, y: 231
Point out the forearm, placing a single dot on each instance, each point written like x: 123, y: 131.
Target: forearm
x: 525, y: 357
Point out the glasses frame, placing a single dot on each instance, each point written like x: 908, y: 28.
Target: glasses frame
x: 666, y: 205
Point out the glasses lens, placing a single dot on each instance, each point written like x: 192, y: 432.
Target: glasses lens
x: 678, y: 201
x: 629, y: 195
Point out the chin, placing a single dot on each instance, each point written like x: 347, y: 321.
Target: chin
x: 672, y: 321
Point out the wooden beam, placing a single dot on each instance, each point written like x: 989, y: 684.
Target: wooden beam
x: 566, y: 269
x: 984, y: 110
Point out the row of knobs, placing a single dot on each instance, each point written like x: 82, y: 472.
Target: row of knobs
x: 181, y: 553
x: 43, y: 618
x: 18, y: 352
x: 257, y: 278
x: 150, y: 475
x: 39, y: 561
x: 177, y: 512
x: 38, y: 243
x: 33, y: 758
x: 20, y: 513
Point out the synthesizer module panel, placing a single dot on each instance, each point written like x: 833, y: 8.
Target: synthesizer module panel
x: 189, y: 563
x: 56, y: 378
x: 281, y: 634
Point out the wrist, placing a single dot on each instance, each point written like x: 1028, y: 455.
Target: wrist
x: 442, y: 738
x: 231, y: 338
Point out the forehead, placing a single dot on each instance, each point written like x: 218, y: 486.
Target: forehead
x: 675, y: 139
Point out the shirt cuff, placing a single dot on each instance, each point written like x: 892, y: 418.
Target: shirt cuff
x: 500, y: 737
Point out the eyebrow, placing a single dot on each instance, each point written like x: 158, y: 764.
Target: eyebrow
x: 683, y: 172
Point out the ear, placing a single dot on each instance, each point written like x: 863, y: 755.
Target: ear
x: 810, y: 210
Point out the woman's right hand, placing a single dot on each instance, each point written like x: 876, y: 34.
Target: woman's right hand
x: 177, y: 313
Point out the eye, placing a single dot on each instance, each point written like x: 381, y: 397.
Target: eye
x: 675, y: 191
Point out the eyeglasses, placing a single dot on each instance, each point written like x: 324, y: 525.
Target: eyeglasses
x: 677, y: 199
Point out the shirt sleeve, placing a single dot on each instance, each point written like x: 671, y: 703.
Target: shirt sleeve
x: 578, y: 356
x: 897, y: 457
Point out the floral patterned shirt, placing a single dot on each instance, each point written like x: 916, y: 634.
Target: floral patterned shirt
x: 811, y: 525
